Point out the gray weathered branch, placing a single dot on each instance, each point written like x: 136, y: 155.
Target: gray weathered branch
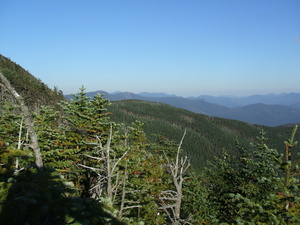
x: 172, y: 199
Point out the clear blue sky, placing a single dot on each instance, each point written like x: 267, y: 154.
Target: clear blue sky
x: 183, y: 47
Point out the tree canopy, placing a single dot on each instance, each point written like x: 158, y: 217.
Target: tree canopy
x: 70, y: 163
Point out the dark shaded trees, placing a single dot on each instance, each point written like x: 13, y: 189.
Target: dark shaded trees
x: 35, y: 193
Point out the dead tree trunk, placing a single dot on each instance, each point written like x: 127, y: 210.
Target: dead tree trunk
x: 27, y: 120
x: 172, y: 199
x: 108, y: 176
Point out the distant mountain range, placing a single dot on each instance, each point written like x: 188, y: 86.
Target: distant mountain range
x: 267, y: 110
x: 286, y: 99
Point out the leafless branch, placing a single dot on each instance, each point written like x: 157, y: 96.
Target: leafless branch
x: 133, y: 206
x: 93, y: 157
x: 88, y: 167
x: 172, y: 199
x: 27, y: 167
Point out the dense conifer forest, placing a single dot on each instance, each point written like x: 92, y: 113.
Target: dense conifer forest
x: 89, y: 161
x: 207, y: 136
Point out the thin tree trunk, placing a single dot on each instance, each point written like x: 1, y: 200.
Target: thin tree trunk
x: 177, y: 170
x: 27, y: 120
x: 178, y: 179
x: 109, y: 172
x: 123, y: 193
x: 19, y: 143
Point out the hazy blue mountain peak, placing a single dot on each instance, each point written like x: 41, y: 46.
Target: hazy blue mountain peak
x: 156, y: 94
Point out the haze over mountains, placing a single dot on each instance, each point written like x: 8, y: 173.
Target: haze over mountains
x: 267, y: 110
x: 287, y: 99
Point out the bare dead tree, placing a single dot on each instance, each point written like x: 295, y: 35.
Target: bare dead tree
x: 123, y: 194
x: 125, y: 204
x: 19, y: 143
x: 27, y: 120
x: 172, y: 199
x: 107, y: 176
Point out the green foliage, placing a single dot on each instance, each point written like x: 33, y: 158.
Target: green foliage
x: 206, y: 136
x: 84, y: 116
x: 254, y: 185
x: 248, y: 188
x: 13, y: 154
x: 136, y: 175
x: 66, y: 135
x: 44, y: 198
x: 195, y: 203
x: 33, y: 90
x: 50, y: 197
x: 74, y: 138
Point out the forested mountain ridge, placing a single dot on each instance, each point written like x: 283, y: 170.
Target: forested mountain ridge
x: 95, y: 170
x: 260, y: 113
x: 206, y: 136
x: 33, y: 90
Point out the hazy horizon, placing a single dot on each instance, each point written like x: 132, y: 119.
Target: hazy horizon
x: 187, y: 48
x: 178, y: 95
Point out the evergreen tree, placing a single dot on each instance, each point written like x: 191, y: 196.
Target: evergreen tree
x: 38, y: 194
x: 195, y: 204
x: 82, y: 120
x: 247, y: 189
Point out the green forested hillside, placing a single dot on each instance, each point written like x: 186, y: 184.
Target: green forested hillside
x: 89, y: 161
x: 206, y: 136
x: 266, y: 114
x: 33, y: 90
